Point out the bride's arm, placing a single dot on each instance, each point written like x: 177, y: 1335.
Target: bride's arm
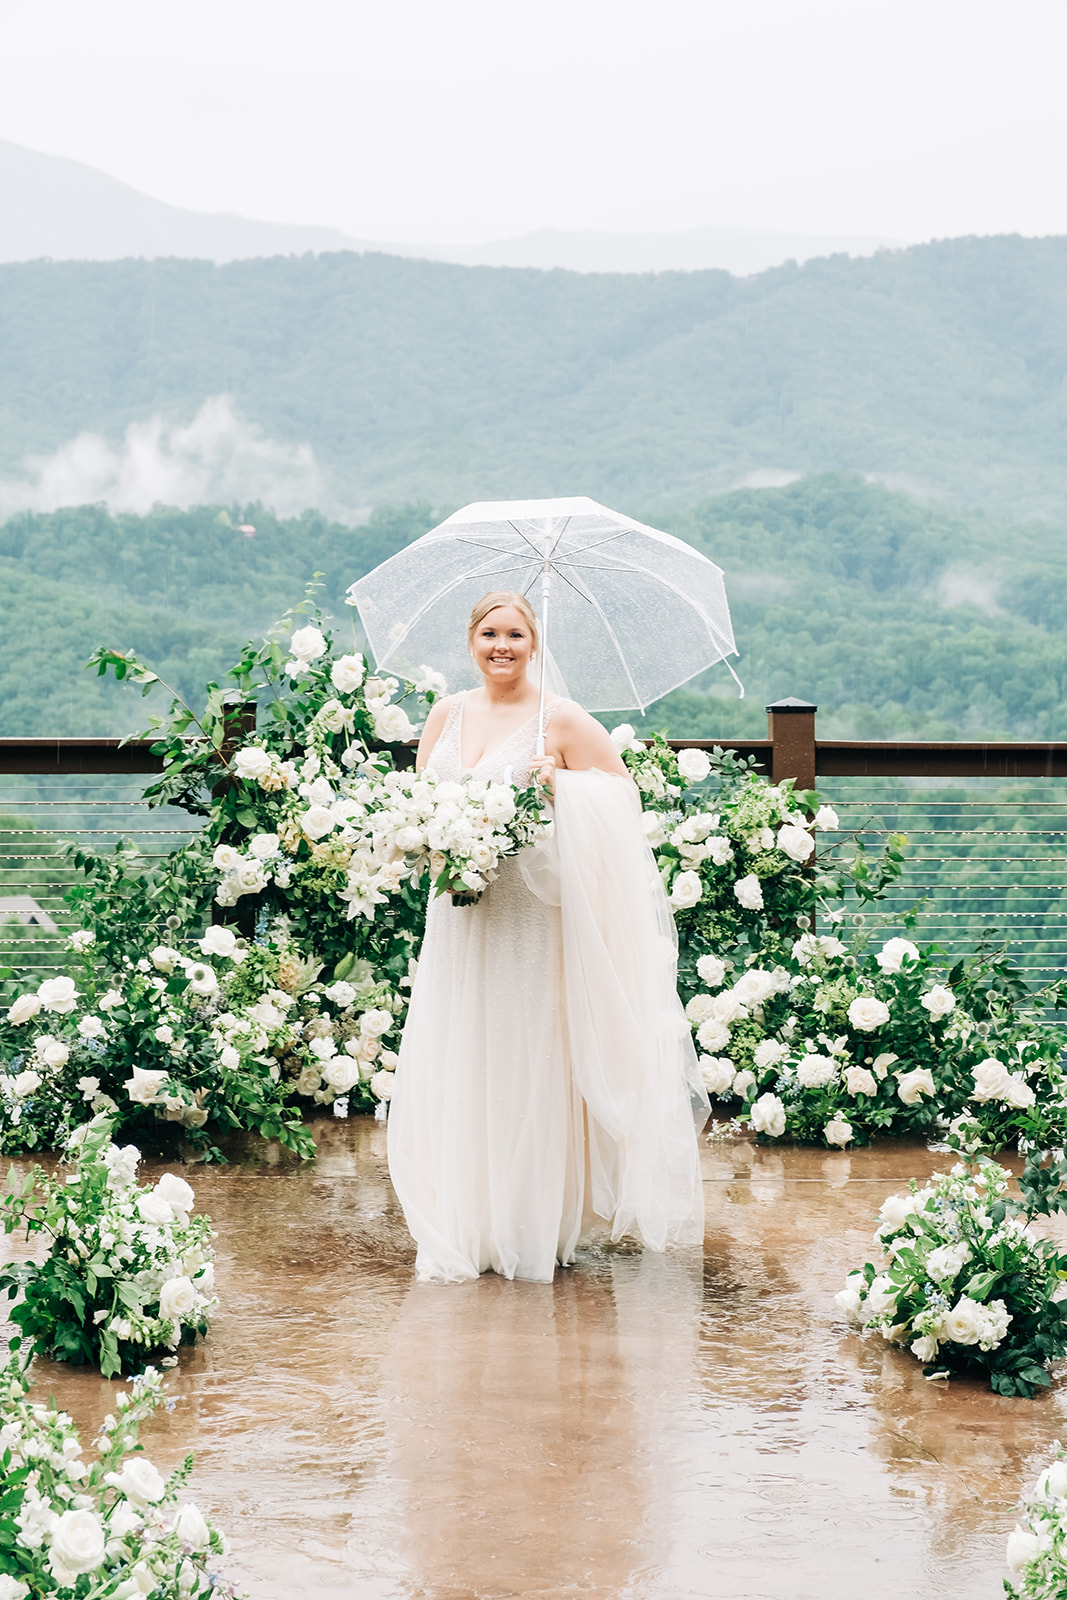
x: 431, y: 731
x: 576, y: 741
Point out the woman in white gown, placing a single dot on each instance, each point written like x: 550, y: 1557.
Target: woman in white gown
x: 547, y: 1078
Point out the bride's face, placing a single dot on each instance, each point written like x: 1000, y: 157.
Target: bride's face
x: 502, y: 645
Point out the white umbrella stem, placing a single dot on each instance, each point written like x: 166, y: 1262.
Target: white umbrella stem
x: 546, y: 584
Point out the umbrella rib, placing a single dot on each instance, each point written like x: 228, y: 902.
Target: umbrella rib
x: 612, y: 636
x: 439, y: 594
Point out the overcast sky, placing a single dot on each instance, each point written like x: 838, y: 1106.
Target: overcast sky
x: 464, y: 120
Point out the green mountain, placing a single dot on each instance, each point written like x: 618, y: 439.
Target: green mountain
x: 897, y: 617
x: 940, y: 367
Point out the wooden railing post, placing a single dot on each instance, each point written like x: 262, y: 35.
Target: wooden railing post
x: 791, y: 730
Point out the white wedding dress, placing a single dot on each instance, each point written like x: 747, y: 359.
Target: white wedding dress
x: 547, y: 1077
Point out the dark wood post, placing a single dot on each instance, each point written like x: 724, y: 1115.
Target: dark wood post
x: 791, y: 730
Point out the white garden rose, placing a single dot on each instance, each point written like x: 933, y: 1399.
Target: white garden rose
x: 138, y: 1481
x: 229, y: 1057
x: 867, y: 1013
x: 176, y: 1192
x: 699, y: 1009
x: 992, y: 1080
x: 333, y: 717
x: 225, y: 858
x: 882, y: 1297
x: 91, y: 1027
x: 1023, y: 1547
x: 499, y: 803
x: 686, y: 890
x: 250, y: 764
x: 767, y: 1115
x: 11, y: 1588
x: 54, y: 1053
x: 624, y: 737
x: 346, y: 674
x: 26, y: 1083
x: 307, y: 644
x: 895, y: 1211
x: 145, y: 1088
x: 693, y: 765
x: 1052, y: 1484
x: 894, y: 952
x: 176, y: 1299
x: 850, y: 1304
x: 340, y: 993
x: 340, y: 1073
x: 652, y: 823
x: 154, y: 1210
x: 728, y: 1006
x: 814, y: 1070
x: 427, y: 681
x: 744, y: 1084
x: 911, y: 1086
x: 58, y: 994
x: 374, y: 1023
x: 939, y: 1001
x: 826, y: 819
x: 963, y: 1325
x: 797, y: 843
x: 165, y: 1033
x: 391, y: 725
x: 924, y: 1348
x: 382, y: 1085
x: 769, y: 1052
x: 882, y: 1063
x: 859, y: 1081
x: 711, y: 970
x: 755, y: 986
x: 191, y: 1528
x: 1019, y: 1094
x: 720, y: 851
x: 77, y: 1545
x: 264, y: 845
x: 946, y: 1261
x: 749, y: 892
x: 713, y: 1035
x: 718, y: 1073
x: 838, y: 1130
x: 24, y: 1008
x: 317, y: 822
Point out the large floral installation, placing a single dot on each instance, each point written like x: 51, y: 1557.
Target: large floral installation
x: 129, y: 1272
x: 966, y: 1284
x: 1037, y: 1546
x: 71, y: 1527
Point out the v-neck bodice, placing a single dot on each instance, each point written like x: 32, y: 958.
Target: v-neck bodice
x: 508, y: 761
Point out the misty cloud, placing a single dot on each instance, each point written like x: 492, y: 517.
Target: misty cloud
x: 217, y: 458
x: 956, y: 588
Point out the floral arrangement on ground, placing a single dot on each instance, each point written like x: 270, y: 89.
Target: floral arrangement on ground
x: 967, y: 1285
x: 1037, y: 1547
x: 129, y: 1271
x: 113, y: 1526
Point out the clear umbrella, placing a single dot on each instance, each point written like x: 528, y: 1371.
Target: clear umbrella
x: 633, y: 612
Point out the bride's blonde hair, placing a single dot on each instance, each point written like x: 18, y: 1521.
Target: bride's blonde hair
x: 502, y: 597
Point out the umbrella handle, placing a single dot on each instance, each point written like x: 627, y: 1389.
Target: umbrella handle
x: 546, y: 584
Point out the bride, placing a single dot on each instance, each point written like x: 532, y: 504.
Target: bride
x: 547, y: 1081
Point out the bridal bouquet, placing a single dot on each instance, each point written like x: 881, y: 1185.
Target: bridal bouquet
x: 966, y: 1287
x: 129, y: 1271
x: 455, y: 833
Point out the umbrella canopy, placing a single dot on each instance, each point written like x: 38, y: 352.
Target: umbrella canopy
x: 635, y: 612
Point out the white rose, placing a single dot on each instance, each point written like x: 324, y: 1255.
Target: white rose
x: 769, y: 1052
x: 250, y: 877
x: 264, y: 845
x: 191, y: 1528
x: 1018, y: 1092
x: 720, y: 851
x: 881, y: 1064
x: 830, y: 947
x: 652, y: 823
x: 963, y: 1325
x: 322, y: 1049
x: 859, y: 1081
x: 428, y: 681
x: 744, y: 1083
x: 893, y: 954
x: 693, y: 765
x: 826, y: 819
x: 11, y: 1588
x: 219, y: 941
x: 895, y: 1211
x: 946, y: 1261
x: 138, y: 1481
x: 307, y: 644
x: 991, y: 1080
x: 623, y: 736
x: 54, y: 1053
x: 346, y: 674
x: 145, y: 1087
x: 712, y: 971
x: 1023, y: 1547
x: 813, y: 1070
x: 866, y: 1013
x: 713, y: 1035
x: 749, y: 893
x: 911, y: 1086
x: 333, y: 717
x: 382, y: 1085
x: 176, y: 1299
x: 767, y: 1115
x: 154, y: 1210
x: 718, y: 1073
x: 686, y: 890
x: 26, y: 1083
x: 176, y: 1192
x: 499, y: 803
x: 78, y: 1543
x: 797, y: 843
x: 251, y: 764
x: 849, y: 1303
x: 92, y: 1028
x: 699, y: 1009
x: 391, y: 725
x: 25, y: 1007
x: 939, y: 1001
x: 755, y: 986
x: 340, y: 993
x: 58, y: 994
x: 165, y: 1033
x: 375, y: 1023
x: 229, y: 1057
x: 318, y: 821
x: 882, y: 1297
x: 924, y: 1348
x: 340, y: 1073
x: 1052, y: 1484
x: 838, y: 1130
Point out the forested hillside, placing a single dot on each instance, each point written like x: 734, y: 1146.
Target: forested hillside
x: 899, y: 618
x: 941, y: 368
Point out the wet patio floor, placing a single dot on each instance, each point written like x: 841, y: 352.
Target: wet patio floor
x: 645, y: 1427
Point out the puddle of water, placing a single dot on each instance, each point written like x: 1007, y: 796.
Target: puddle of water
x: 643, y: 1428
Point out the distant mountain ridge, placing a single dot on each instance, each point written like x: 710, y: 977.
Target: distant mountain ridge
x: 52, y: 207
